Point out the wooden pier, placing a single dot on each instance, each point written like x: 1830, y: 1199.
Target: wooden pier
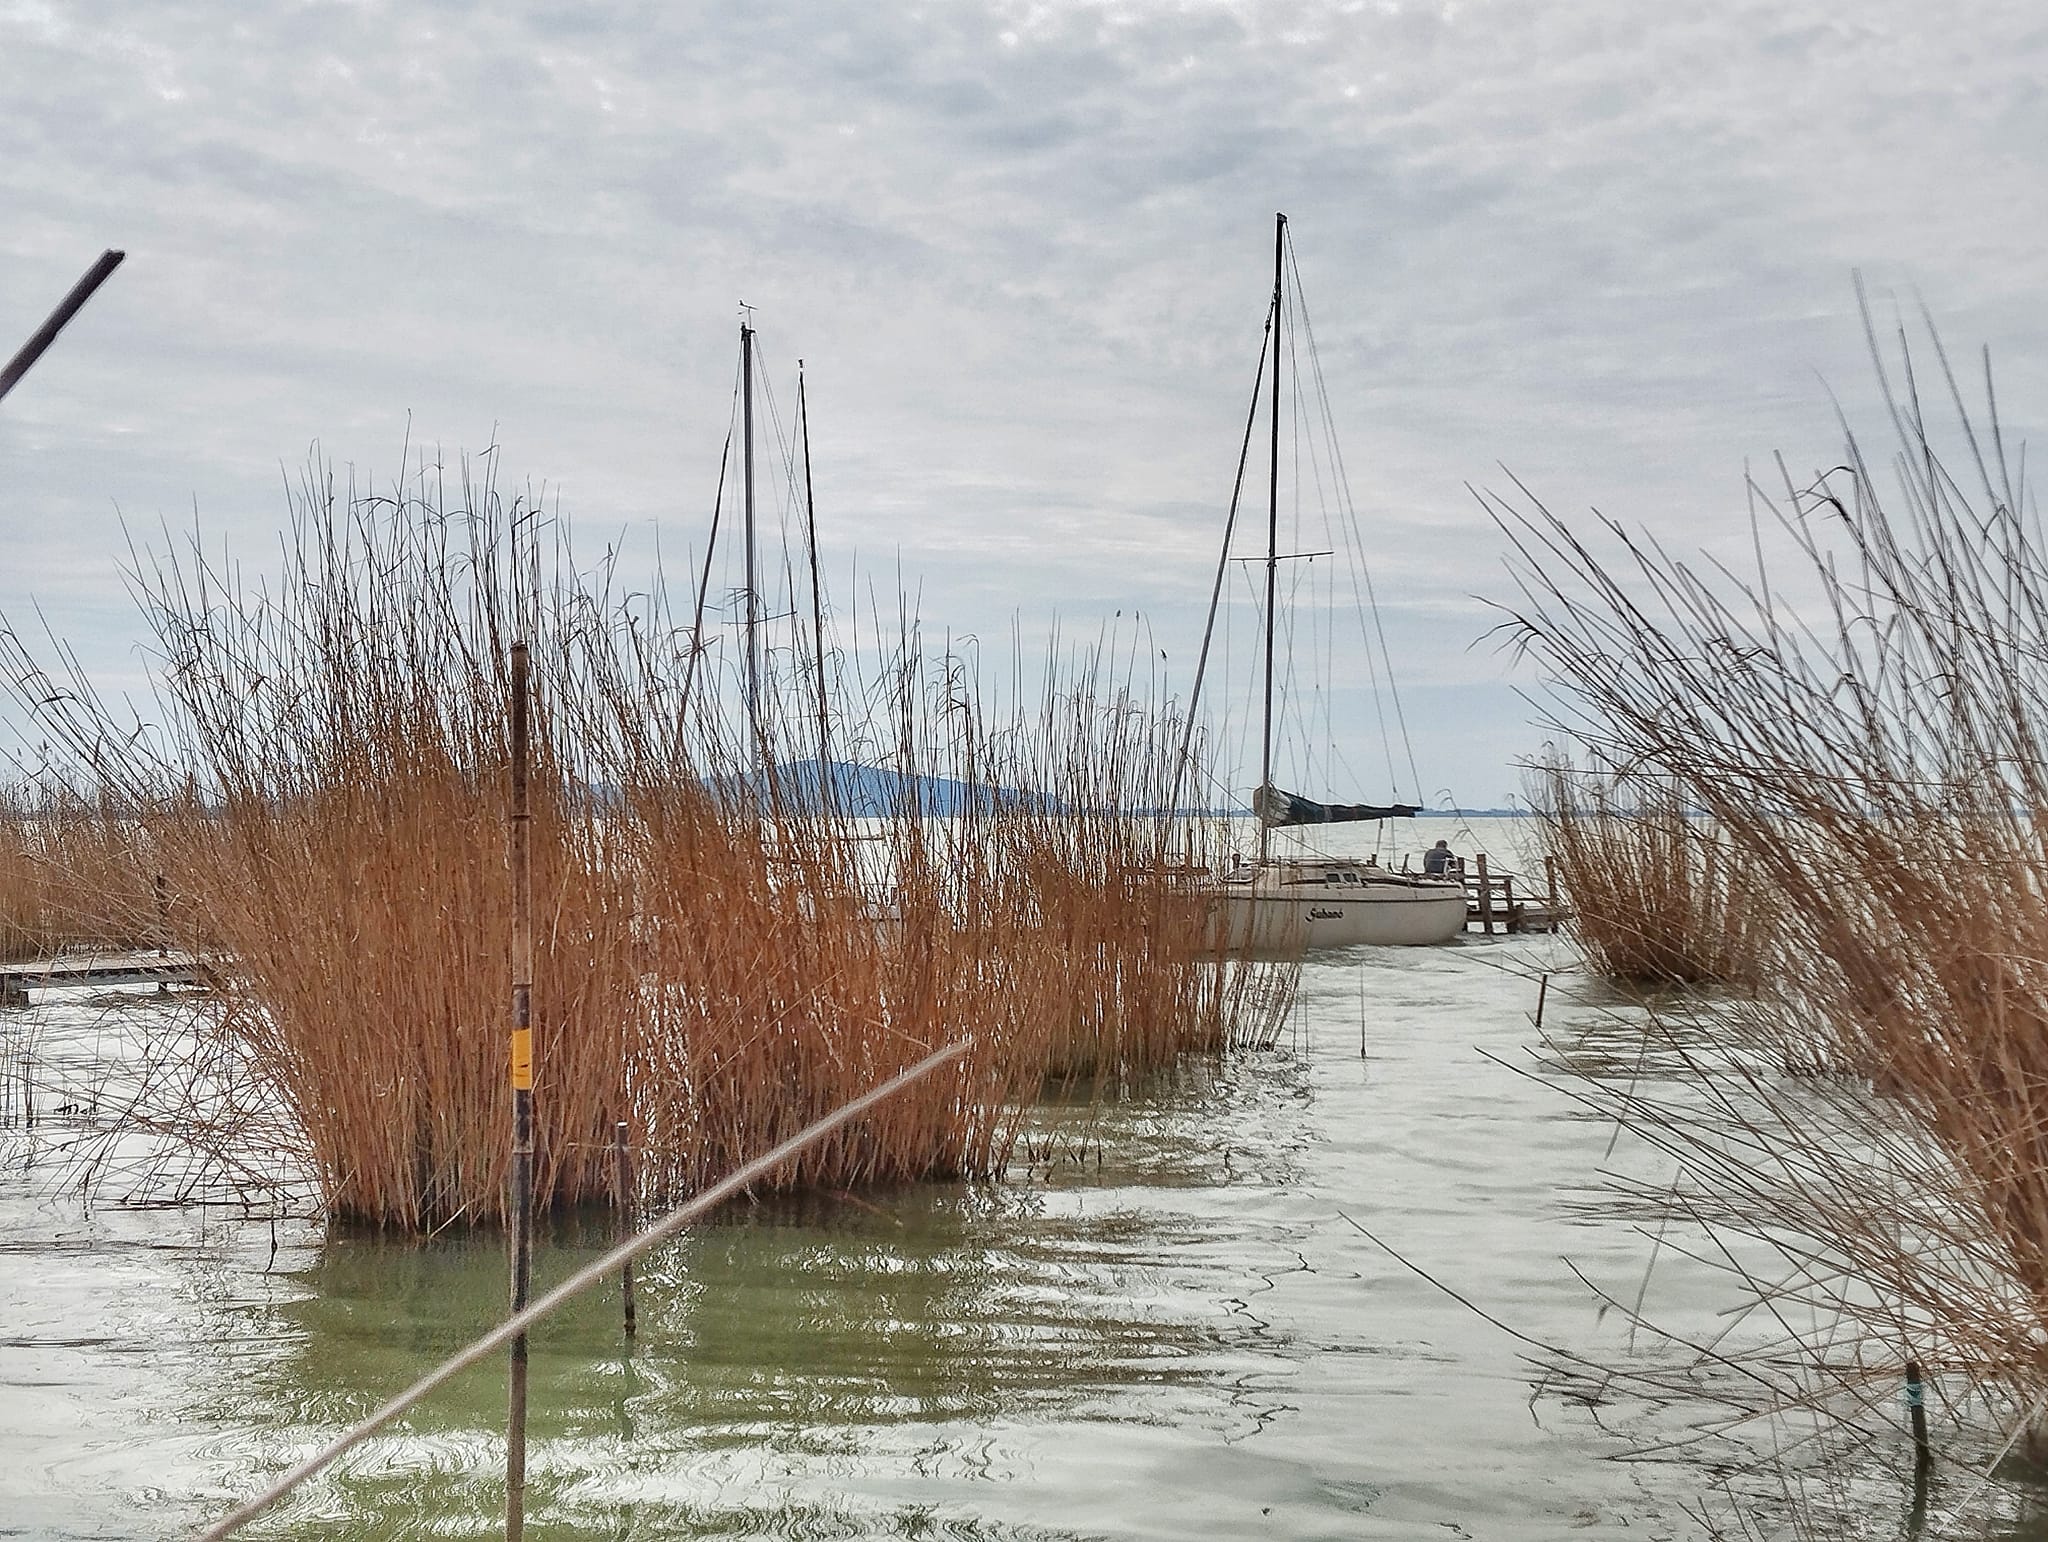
x: 1492, y: 904
x: 165, y: 967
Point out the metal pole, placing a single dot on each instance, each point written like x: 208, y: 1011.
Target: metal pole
x: 753, y: 604
x: 1272, y: 530
x: 521, y: 1199
x: 81, y: 291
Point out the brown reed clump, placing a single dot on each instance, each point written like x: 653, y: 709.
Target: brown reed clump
x: 1865, y: 721
x: 725, y: 949
x: 1655, y: 894
x: 74, y: 873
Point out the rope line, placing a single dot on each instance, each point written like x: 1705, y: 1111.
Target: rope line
x: 576, y: 1284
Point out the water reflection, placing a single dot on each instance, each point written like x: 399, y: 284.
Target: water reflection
x: 824, y: 1366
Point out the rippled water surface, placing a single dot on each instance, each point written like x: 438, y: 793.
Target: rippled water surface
x: 1175, y: 1334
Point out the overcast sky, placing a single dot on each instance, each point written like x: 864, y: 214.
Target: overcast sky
x: 1024, y: 249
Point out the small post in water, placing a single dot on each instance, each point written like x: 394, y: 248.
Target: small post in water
x: 520, y: 1207
x: 622, y: 1175
x: 1542, y: 991
x: 1916, y: 1414
x: 163, y: 928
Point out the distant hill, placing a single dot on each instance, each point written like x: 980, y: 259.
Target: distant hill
x: 876, y: 792
x: 873, y: 792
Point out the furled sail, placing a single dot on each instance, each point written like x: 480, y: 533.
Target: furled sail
x: 1275, y: 807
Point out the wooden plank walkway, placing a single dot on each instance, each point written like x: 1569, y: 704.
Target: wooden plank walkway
x: 1492, y: 905
x: 172, y: 966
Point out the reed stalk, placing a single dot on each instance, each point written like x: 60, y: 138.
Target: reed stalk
x: 1655, y: 894
x: 75, y: 871
x: 1863, y: 717
x: 723, y: 951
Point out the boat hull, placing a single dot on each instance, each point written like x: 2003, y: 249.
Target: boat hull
x: 1282, y: 916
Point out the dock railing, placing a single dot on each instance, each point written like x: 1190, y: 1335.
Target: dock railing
x: 1492, y: 903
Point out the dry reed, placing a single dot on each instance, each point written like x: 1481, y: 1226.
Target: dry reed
x: 1654, y: 894
x: 74, y: 872
x: 1865, y: 720
x: 724, y: 952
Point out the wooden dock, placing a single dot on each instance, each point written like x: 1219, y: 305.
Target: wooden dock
x: 1492, y: 904
x: 166, y: 967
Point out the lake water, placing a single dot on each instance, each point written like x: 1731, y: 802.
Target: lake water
x: 1177, y: 1333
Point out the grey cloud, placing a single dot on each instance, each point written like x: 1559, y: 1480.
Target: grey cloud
x: 1606, y: 244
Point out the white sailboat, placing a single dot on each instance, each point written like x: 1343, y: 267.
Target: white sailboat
x: 1291, y: 904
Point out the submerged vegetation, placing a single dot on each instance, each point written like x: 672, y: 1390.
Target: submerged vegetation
x: 724, y: 951
x: 1862, y: 727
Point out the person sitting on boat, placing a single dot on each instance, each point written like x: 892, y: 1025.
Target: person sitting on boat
x: 1440, y: 861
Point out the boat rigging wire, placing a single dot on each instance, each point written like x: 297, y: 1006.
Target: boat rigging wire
x: 1361, y: 571
x: 697, y: 645
x: 1222, y: 567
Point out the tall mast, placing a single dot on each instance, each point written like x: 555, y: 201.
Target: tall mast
x: 753, y: 595
x: 1272, y: 529
x: 803, y: 413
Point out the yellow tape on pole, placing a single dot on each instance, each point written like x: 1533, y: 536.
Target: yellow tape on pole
x: 522, y: 1060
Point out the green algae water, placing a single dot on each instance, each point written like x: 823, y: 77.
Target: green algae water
x: 1177, y: 1329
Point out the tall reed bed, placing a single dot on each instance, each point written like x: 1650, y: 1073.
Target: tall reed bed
x: 1864, y: 718
x: 75, y: 870
x: 1655, y: 894
x: 726, y: 949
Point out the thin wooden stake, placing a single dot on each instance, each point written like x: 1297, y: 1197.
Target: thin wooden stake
x: 521, y: 1199
x: 1916, y: 1413
x: 1542, y: 990
x: 622, y: 1172
x: 163, y: 928
x: 1485, y: 898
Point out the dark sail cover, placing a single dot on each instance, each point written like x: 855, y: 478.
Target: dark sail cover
x: 1275, y: 807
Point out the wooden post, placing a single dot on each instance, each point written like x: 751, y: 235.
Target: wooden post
x: 163, y: 928
x: 1485, y: 897
x: 28, y: 1093
x: 520, y: 1207
x: 1550, y: 887
x: 1916, y: 1414
x: 1542, y: 991
x: 1507, y: 900
x: 622, y: 1175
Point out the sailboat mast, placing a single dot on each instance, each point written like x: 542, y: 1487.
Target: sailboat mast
x: 753, y: 597
x: 803, y: 414
x: 1272, y: 529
